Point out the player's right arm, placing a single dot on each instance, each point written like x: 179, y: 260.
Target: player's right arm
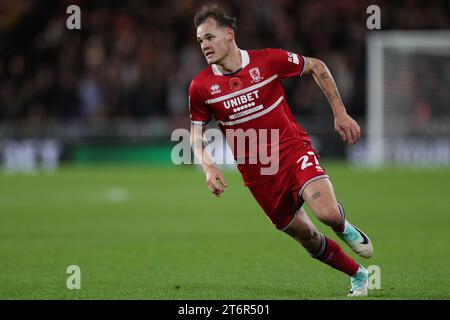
x: 214, y: 177
x: 199, y: 118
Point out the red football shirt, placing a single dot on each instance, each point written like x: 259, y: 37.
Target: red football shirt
x: 251, y: 98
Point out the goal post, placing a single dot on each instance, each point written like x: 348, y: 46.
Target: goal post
x: 408, y: 98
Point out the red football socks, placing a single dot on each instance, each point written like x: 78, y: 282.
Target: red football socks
x: 331, y: 254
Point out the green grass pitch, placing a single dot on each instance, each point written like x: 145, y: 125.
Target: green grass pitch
x: 157, y: 233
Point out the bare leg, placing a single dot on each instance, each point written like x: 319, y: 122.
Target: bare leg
x: 305, y: 232
x: 319, y: 195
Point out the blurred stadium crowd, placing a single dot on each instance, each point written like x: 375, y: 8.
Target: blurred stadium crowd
x: 136, y: 58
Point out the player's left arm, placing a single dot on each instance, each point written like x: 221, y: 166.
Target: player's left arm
x: 348, y: 129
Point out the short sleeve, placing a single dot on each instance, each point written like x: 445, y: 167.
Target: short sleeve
x: 198, y: 111
x: 287, y: 64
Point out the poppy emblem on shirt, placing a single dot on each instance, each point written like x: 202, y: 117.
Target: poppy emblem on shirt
x: 235, y: 83
x: 255, y: 74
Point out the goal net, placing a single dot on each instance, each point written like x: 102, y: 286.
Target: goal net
x: 408, y: 98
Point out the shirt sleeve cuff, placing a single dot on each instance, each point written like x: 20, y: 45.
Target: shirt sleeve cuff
x: 305, y: 61
x: 200, y: 122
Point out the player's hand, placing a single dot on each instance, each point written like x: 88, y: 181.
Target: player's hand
x: 347, y: 128
x: 215, y: 180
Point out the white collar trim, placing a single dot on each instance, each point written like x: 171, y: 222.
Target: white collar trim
x: 245, y: 61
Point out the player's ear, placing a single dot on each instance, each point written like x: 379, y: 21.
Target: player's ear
x: 229, y: 33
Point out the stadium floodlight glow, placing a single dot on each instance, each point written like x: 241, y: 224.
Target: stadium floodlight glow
x: 408, y: 117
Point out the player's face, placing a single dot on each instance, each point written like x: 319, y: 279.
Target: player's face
x: 214, y: 40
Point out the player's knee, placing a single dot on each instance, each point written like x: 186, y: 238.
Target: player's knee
x: 329, y: 214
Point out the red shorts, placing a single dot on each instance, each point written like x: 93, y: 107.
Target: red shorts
x: 281, y: 196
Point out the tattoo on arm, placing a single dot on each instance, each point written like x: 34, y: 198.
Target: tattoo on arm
x: 316, y: 195
x: 325, y: 81
x: 328, y: 86
x: 324, y: 75
x: 332, y: 96
x: 329, y: 95
x: 336, y: 94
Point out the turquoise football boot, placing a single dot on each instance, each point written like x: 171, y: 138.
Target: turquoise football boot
x: 357, y: 240
x: 359, y: 283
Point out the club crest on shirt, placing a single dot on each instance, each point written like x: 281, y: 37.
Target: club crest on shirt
x: 256, y: 76
x: 235, y: 83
